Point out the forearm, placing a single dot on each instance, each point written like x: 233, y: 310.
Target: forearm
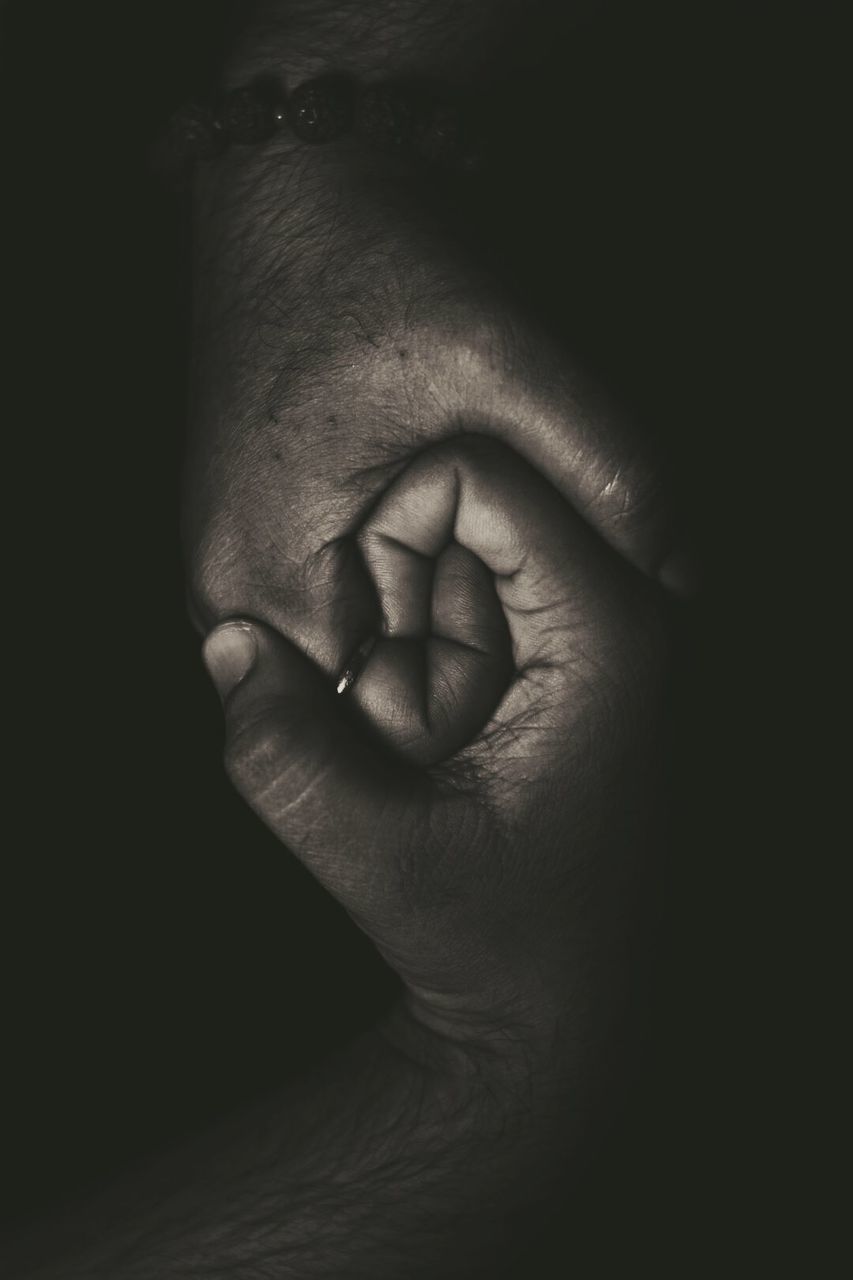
x: 392, y: 1162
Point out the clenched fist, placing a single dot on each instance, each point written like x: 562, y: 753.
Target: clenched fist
x: 480, y: 799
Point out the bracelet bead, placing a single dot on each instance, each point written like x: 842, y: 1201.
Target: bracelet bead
x: 405, y: 118
x: 386, y: 115
x: 246, y: 116
x: 194, y: 134
x: 321, y: 110
x: 438, y: 133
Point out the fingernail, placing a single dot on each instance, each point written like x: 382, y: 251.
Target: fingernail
x: 229, y: 654
x: 678, y: 574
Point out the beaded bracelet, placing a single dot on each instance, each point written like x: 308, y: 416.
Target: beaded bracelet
x: 404, y: 118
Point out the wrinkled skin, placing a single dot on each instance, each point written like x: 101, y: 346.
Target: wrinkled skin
x: 339, y: 340
x: 496, y: 881
x: 338, y: 333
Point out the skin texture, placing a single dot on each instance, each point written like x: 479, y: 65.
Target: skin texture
x: 339, y: 332
x: 500, y: 880
x: 342, y: 325
x: 479, y: 877
x: 384, y: 444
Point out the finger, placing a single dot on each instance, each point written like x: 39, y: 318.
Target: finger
x: 313, y: 589
x: 552, y: 575
x: 591, y: 448
x: 579, y: 619
x: 304, y: 768
x: 435, y: 678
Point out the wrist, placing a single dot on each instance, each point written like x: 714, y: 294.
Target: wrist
x: 515, y: 1080
x: 546, y: 1042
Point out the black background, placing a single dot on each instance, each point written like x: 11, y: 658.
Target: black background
x: 164, y: 957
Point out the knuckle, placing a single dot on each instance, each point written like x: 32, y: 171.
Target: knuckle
x: 275, y: 769
x: 474, y: 451
x: 210, y: 568
x: 256, y: 755
x: 253, y: 753
x: 634, y: 501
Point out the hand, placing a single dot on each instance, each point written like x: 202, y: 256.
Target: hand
x: 339, y: 333
x: 499, y: 877
x: 501, y: 882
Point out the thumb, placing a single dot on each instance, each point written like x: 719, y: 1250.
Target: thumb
x: 301, y: 762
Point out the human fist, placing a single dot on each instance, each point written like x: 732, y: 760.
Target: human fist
x: 481, y: 800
